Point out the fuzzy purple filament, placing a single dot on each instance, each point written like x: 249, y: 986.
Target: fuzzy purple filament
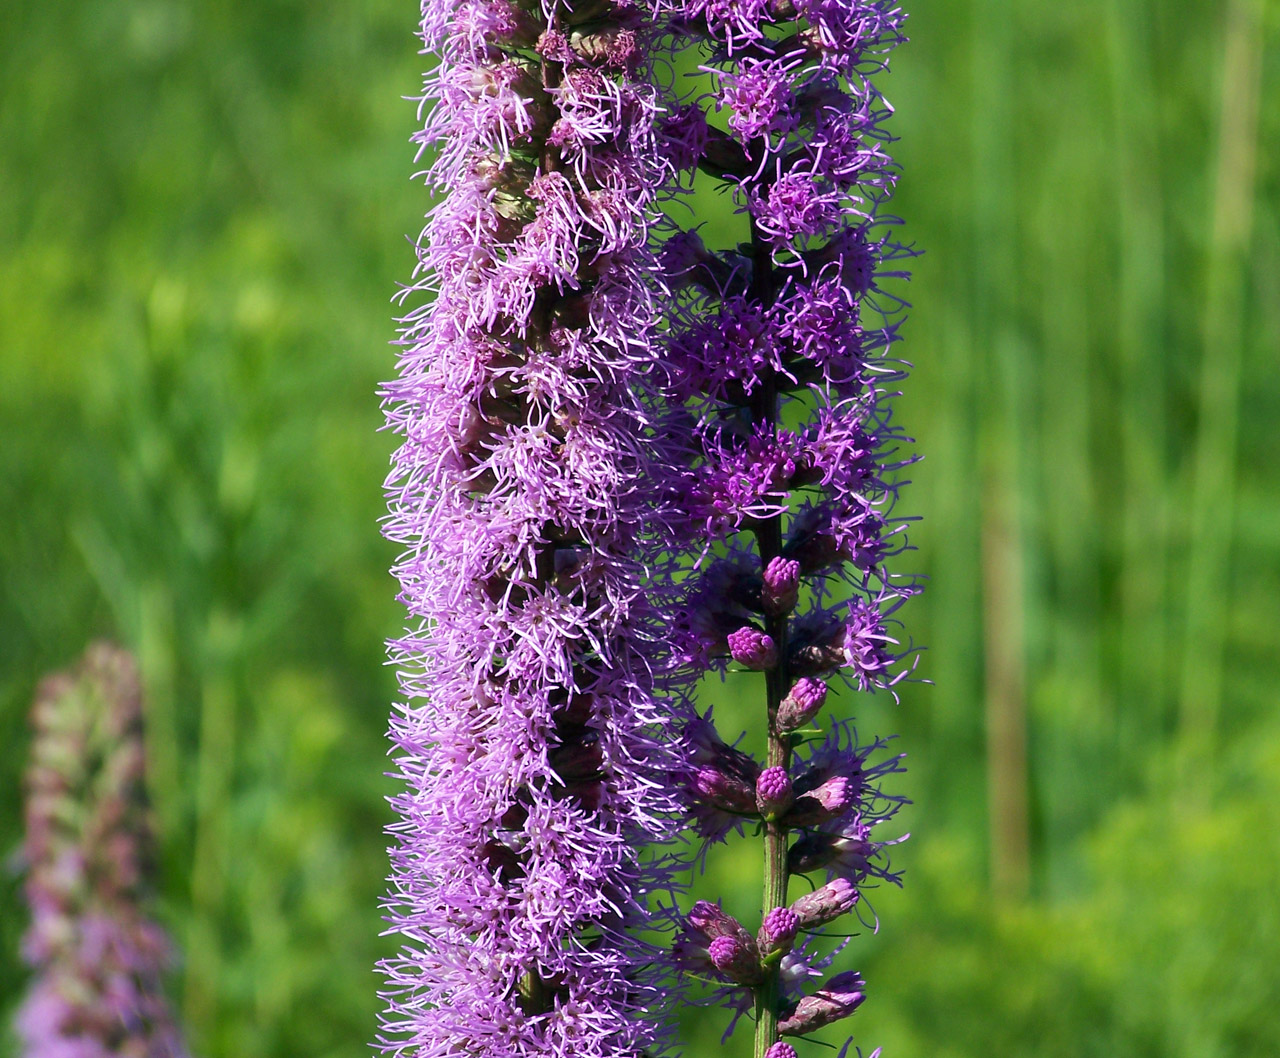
x: 99, y: 960
x: 529, y: 744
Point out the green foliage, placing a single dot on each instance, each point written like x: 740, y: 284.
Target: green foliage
x: 201, y: 214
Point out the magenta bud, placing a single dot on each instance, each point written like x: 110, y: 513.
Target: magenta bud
x: 825, y: 904
x: 781, y: 589
x: 713, y: 920
x: 773, y: 792
x: 802, y: 703
x: 822, y: 803
x: 779, y: 930
x: 837, y: 999
x: 752, y: 648
x: 781, y: 1049
x: 724, y: 789
x: 737, y: 959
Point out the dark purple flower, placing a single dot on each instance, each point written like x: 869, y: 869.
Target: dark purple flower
x: 776, y: 396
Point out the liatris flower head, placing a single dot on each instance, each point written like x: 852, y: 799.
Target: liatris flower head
x: 98, y: 959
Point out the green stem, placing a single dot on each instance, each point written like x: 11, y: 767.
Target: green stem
x: 778, y: 753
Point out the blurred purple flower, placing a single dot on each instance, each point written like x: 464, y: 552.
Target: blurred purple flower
x: 98, y: 960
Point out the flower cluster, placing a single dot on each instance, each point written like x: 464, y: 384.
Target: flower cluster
x: 778, y: 370
x: 533, y: 752
x: 98, y: 959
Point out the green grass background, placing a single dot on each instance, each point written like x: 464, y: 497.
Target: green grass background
x: 202, y: 210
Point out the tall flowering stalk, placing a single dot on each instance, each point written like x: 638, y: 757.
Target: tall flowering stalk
x: 529, y: 743
x: 98, y: 959
x: 778, y: 365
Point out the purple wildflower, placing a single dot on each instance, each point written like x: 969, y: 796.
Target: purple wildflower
x: 790, y: 327
x: 98, y: 959
x: 532, y: 751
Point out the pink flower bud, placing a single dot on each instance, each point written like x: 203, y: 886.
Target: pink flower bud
x: 825, y: 904
x: 781, y: 589
x: 736, y: 959
x: 773, y: 792
x: 827, y: 801
x: 724, y: 789
x: 837, y: 999
x: 802, y: 703
x: 752, y: 648
x: 778, y: 931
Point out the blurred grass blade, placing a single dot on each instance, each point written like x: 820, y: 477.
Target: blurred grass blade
x: 1208, y: 590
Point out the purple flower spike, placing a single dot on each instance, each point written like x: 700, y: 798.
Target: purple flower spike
x: 98, y: 960
x: 535, y: 756
x: 752, y: 648
x: 837, y: 999
x: 778, y: 932
x: 803, y: 702
x: 781, y: 589
x: 775, y: 403
x: 773, y: 792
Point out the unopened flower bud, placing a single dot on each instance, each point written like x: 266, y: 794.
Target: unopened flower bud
x: 712, y: 920
x: 735, y: 959
x: 802, y: 703
x: 825, y: 904
x: 811, y: 852
x: 724, y: 789
x: 752, y: 648
x: 781, y: 1049
x: 778, y: 931
x: 822, y: 803
x: 781, y: 589
x: 773, y: 792
x: 837, y: 999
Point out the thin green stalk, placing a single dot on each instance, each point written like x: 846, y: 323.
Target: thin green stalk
x: 1213, y: 490
x: 1003, y: 434
x: 1143, y: 369
x: 778, y: 752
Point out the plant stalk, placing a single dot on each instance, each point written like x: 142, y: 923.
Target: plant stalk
x: 778, y: 753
